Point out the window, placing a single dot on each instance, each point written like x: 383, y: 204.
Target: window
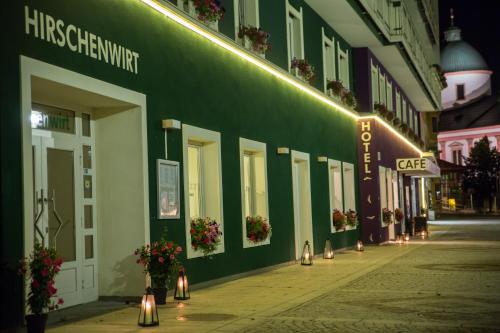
x: 457, y: 156
x: 434, y: 124
x: 398, y: 104
x: 246, y: 13
x: 395, y: 192
x: 374, y: 83
x: 460, y: 92
x: 295, y: 35
x: 254, y: 198
x: 349, y: 186
x: 410, y: 118
x: 335, y: 187
x: 202, y: 179
x: 343, y: 66
x: 382, y: 85
x: 383, y: 191
x: 390, y: 105
x: 404, y: 111
x: 416, y: 123
x: 328, y: 59
x: 390, y: 190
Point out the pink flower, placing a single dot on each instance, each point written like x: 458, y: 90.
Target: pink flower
x: 47, y: 261
x: 35, y: 284
x: 51, y: 289
x: 161, y: 260
x: 178, y: 249
x: 172, y: 257
x: 60, y: 301
x: 154, y: 252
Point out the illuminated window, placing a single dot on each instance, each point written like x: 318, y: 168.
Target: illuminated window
x: 382, y: 87
x: 457, y: 156
x: 390, y: 106
x: 349, y: 186
x: 295, y: 35
x: 195, y: 180
x: 335, y: 187
x: 343, y: 58
x: 404, y: 111
x: 246, y: 13
x: 328, y: 58
x: 253, y: 166
x: 374, y: 84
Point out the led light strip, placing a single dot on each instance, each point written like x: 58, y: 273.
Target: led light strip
x: 259, y: 63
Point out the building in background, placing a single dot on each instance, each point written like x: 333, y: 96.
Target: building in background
x: 470, y: 112
x: 123, y: 118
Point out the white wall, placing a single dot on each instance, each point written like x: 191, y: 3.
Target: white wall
x: 476, y: 83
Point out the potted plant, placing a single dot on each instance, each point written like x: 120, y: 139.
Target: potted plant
x: 404, y: 128
x: 338, y: 220
x: 380, y: 108
x: 160, y: 262
x: 396, y: 121
x: 389, y: 115
x: 335, y: 87
x: 303, y: 69
x: 348, y: 99
x: 256, y: 37
x: 205, y: 235
x: 258, y: 229
x: 351, y: 218
x: 398, y: 215
x: 209, y: 11
x: 386, y: 216
x: 40, y: 269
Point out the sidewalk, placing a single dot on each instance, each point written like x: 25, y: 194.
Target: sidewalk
x: 419, y: 287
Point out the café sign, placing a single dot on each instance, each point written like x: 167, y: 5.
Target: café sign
x: 418, y: 167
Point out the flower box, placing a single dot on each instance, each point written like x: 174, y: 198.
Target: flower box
x: 258, y: 229
x: 386, y: 216
x: 254, y: 39
x: 205, y: 235
x: 338, y: 220
x: 351, y: 218
x: 302, y: 69
x: 209, y: 12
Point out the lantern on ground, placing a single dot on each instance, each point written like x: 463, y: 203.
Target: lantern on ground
x: 399, y: 239
x: 423, y: 234
x: 148, y: 315
x: 182, y: 287
x: 407, y: 237
x: 306, y: 258
x: 359, y: 246
x: 328, y: 252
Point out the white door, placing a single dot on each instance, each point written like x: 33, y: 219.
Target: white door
x: 301, y: 202
x: 64, y: 210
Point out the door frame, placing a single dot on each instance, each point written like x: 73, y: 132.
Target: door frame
x: 31, y: 67
x: 302, y: 158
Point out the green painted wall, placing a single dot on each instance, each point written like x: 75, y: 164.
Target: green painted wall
x: 187, y: 78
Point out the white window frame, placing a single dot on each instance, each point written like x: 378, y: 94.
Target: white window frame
x: 415, y: 121
x: 290, y: 10
x: 382, y: 88
x: 247, y: 145
x: 374, y: 85
x: 390, y: 105
x: 383, y: 192
x: 237, y: 18
x: 349, y: 190
x: 212, y: 207
x: 395, y: 192
x: 398, y: 105
x: 331, y: 43
x: 410, y: 117
x: 404, y: 110
x: 343, y: 54
x: 336, y: 191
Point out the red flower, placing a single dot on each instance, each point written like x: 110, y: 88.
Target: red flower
x: 44, y: 272
x: 178, y: 249
x: 169, y: 245
x: 161, y: 260
x: 192, y: 231
x: 58, y: 261
x: 60, y: 301
x: 51, y: 289
x: 35, y: 284
x: 154, y: 252
x: 47, y: 261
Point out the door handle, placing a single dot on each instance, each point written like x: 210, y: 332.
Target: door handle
x: 58, y: 217
x: 38, y: 215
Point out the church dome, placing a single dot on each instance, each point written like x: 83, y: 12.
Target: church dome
x: 458, y: 56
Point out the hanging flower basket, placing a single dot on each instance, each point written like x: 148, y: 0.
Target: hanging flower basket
x: 338, y: 220
x: 351, y: 218
x: 386, y: 216
x: 398, y: 215
x: 304, y: 70
x: 259, y: 39
x: 209, y: 11
x: 205, y: 235
x: 258, y: 229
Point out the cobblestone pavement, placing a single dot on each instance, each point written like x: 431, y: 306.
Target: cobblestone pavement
x: 448, y: 283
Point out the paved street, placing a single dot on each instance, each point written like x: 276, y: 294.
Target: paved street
x: 448, y: 283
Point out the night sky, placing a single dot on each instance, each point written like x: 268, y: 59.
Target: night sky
x: 480, y: 24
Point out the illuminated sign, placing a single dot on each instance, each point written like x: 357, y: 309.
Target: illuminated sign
x: 411, y: 164
x: 366, y: 138
x: 52, y: 119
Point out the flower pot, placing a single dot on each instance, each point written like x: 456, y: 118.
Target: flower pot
x: 35, y: 323
x: 160, y: 295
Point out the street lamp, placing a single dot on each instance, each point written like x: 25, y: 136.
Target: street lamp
x: 328, y: 252
x: 148, y: 314
x: 306, y: 255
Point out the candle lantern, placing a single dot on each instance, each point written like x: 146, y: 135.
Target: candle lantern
x: 359, y: 246
x: 148, y: 315
x: 306, y: 255
x: 423, y: 234
x: 328, y: 252
x: 399, y: 239
x: 407, y: 237
x: 182, y: 287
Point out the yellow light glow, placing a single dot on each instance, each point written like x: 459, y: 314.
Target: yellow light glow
x: 399, y: 135
x: 257, y: 61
